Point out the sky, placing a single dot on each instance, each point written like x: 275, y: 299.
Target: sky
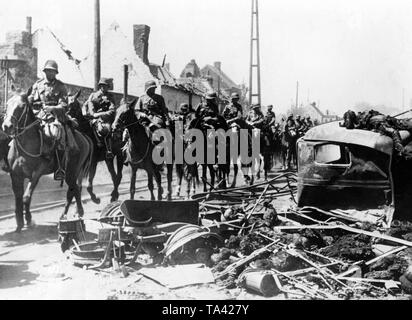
x: 342, y: 52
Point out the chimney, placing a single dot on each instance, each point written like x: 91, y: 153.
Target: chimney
x: 218, y: 65
x: 141, y: 34
x: 28, y: 25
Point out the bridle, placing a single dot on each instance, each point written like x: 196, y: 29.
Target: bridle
x: 121, y: 123
x: 21, y: 130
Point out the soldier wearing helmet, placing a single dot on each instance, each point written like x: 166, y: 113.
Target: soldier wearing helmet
x: 270, y: 117
x: 152, y: 107
x: 100, y: 108
x: 255, y: 118
x: 208, y: 113
x: 233, y: 112
x: 48, y: 98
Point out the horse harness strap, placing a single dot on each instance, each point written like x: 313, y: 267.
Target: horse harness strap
x: 28, y: 153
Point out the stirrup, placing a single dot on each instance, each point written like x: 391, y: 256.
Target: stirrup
x: 59, y: 175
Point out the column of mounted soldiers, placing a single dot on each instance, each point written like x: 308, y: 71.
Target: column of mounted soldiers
x: 49, y: 100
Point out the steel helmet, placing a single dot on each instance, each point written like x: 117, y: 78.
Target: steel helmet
x: 184, y: 107
x: 51, y: 65
x: 104, y: 81
x: 150, y: 84
x: 235, y: 95
x: 211, y: 95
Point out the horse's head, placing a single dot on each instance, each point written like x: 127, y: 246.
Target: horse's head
x: 73, y: 101
x: 17, y: 112
x: 124, y: 115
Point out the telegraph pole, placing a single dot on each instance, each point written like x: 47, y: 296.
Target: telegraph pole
x: 297, y: 94
x: 254, y: 38
x: 97, y: 65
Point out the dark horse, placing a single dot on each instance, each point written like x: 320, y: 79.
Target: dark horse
x: 27, y: 161
x: 99, y: 153
x: 139, y: 148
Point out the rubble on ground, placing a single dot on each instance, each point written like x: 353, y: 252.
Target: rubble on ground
x: 253, y: 246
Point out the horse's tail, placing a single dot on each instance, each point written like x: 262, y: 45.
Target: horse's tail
x: 85, y: 168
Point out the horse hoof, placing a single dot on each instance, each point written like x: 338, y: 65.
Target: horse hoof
x: 95, y: 200
x: 18, y: 229
x: 30, y: 224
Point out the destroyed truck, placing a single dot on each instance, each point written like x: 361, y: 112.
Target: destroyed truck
x: 354, y: 173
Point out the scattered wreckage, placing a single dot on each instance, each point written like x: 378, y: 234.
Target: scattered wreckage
x: 341, y: 235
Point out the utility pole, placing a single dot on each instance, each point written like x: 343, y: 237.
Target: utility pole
x: 403, y: 98
x: 297, y: 94
x: 254, y: 39
x: 97, y: 49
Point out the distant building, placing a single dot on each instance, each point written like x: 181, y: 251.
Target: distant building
x: 21, y: 59
x: 77, y: 74
x: 211, y: 78
x: 315, y: 113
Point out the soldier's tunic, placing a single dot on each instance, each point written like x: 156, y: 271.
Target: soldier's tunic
x: 51, y: 93
x: 155, y: 108
x: 102, y: 103
x: 270, y: 118
x: 257, y: 119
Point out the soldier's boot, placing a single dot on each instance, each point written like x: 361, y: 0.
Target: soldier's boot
x: 6, y: 166
x: 60, y: 173
x: 108, y: 144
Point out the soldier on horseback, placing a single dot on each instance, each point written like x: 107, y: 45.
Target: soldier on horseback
x: 290, y: 136
x: 100, y: 107
x: 233, y: 112
x: 49, y: 100
x: 151, y: 108
x: 270, y: 117
x: 255, y: 118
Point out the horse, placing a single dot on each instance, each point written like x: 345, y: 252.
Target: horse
x: 221, y: 170
x: 27, y: 160
x: 139, y: 148
x: 186, y: 171
x: 99, y: 153
x: 266, y: 150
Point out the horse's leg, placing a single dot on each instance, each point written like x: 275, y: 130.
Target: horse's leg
x: 158, y: 179
x: 29, y: 193
x: 113, y: 175
x: 235, y: 172
x: 169, y: 181
x: 150, y: 184
x: 179, y: 173
x: 18, y: 190
x: 204, y: 178
x: 92, y: 174
x: 133, y: 170
x: 212, y: 176
x: 119, y: 176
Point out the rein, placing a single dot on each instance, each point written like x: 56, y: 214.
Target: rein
x: 148, y: 145
x: 23, y: 130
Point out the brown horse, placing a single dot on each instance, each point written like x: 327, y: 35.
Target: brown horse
x: 140, y: 149
x: 27, y: 161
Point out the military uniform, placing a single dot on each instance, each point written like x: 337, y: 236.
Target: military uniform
x: 101, y: 107
x: 256, y: 118
x: 53, y: 93
x: 49, y: 93
x: 102, y: 103
x: 154, y: 107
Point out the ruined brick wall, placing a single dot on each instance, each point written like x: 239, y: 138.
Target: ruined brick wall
x: 174, y: 98
x: 23, y: 73
x: 85, y: 93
